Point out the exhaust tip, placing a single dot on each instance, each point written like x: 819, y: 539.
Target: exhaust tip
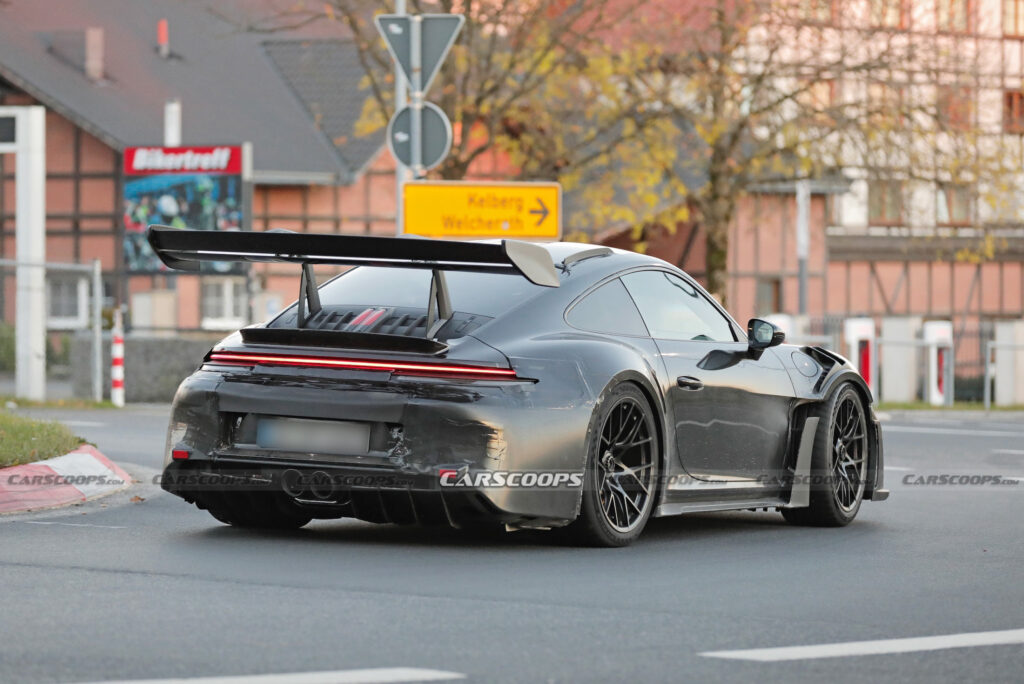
x: 321, y: 486
x: 291, y: 483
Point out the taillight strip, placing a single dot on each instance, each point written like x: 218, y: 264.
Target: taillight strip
x: 250, y: 359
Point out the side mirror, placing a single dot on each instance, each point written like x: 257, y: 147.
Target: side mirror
x: 762, y: 334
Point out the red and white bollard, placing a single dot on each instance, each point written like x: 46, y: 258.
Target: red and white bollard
x: 117, y: 361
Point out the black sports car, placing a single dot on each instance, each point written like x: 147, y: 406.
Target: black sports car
x: 533, y: 386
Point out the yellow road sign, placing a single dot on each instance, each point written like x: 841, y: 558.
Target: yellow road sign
x: 479, y: 210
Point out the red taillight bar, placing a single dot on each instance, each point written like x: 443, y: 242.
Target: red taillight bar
x: 400, y: 367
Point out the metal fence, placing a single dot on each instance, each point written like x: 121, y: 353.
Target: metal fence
x: 90, y: 274
x: 969, y: 343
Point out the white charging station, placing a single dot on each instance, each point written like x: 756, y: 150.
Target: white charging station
x: 860, y: 348
x: 938, y: 388
x: 785, y: 323
x: 23, y: 132
x: 898, y: 352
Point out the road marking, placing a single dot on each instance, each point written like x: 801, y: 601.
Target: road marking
x: 47, y: 522
x: 950, y: 431
x: 375, y: 675
x: 83, y: 423
x: 879, y: 647
x: 1012, y: 452
x: 900, y: 468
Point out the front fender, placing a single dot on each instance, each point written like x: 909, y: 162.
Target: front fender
x: 833, y: 371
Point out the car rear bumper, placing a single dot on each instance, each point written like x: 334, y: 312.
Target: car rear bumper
x: 365, y: 494
x: 424, y: 429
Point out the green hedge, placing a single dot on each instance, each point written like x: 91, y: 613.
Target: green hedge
x: 6, y: 347
x: 58, y: 354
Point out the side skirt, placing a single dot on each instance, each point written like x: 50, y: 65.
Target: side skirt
x: 708, y: 506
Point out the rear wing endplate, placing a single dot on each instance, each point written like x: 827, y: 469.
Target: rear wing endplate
x: 184, y: 250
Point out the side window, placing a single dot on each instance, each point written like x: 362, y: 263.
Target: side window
x: 608, y: 309
x: 673, y: 309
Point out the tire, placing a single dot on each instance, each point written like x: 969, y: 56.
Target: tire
x: 257, y: 511
x: 619, y: 483
x: 839, y: 463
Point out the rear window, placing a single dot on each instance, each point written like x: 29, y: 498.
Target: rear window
x: 485, y: 294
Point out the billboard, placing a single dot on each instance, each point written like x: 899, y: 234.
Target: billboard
x: 187, y: 187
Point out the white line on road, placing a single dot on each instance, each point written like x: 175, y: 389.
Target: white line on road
x: 949, y: 431
x: 83, y: 423
x: 376, y: 675
x: 881, y: 646
x: 900, y: 468
x: 47, y: 522
x: 1013, y: 452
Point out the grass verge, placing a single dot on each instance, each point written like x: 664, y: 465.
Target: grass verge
x: 23, y: 440
x: 55, y: 403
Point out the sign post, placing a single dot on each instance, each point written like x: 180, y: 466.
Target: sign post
x: 419, y: 134
x: 23, y: 132
x: 400, y: 102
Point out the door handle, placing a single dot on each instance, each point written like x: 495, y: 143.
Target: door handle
x: 688, y: 382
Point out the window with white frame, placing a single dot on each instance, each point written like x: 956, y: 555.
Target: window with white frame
x: 889, y: 13
x: 223, y: 303
x: 817, y: 11
x: 953, y: 205
x: 955, y: 16
x: 1013, y: 18
x: 885, y: 202
x: 67, y: 301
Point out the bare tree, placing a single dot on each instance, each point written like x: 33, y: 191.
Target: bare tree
x: 622, y: 99
x: 791, y: 88
x: 546, y: 86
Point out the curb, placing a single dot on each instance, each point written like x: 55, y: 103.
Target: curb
x: 952, y: 414
x: 75, y: 477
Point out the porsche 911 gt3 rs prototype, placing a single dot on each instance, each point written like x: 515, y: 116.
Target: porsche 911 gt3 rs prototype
x: 528, y: 385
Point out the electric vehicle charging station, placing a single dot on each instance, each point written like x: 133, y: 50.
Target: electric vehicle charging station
x: 938, y: 378
x: 860, y: 349
x: 901, y: 356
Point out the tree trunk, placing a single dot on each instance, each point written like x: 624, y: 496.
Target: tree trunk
x: 716, y: 267
x: 716, y: 216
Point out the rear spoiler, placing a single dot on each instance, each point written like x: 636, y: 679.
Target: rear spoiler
x: 184, y: 249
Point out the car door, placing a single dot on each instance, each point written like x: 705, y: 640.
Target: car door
x: 731, y: 408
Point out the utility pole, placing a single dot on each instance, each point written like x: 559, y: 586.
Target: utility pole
x: 803, y: 219
x: 400, y: 102
x: 23, y: 132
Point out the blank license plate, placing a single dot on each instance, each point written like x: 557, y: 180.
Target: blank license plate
x: 313, y: 436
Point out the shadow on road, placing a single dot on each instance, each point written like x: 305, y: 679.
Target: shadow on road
x: 755, y: 527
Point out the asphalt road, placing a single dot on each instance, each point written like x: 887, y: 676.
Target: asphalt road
x: 151, y: 589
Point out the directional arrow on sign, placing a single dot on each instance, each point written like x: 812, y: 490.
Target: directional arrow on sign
x: 476, y: 210
x: 541, y: 210
x: 437, y: 35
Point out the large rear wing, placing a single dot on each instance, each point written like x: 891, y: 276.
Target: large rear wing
x: 184, y: 249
